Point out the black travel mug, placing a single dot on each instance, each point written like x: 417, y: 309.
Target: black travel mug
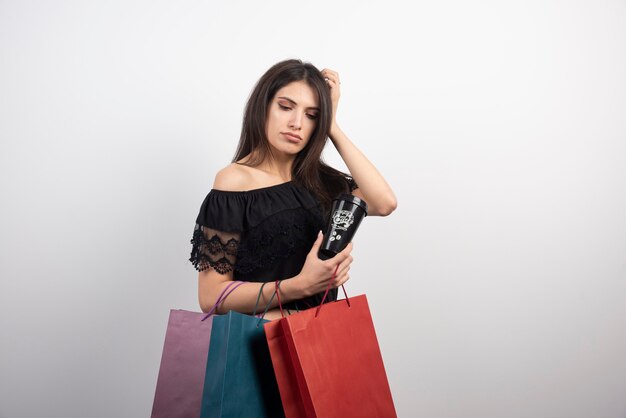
x: 345, y: 217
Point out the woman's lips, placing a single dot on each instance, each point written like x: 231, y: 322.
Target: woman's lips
x: 292, y: 137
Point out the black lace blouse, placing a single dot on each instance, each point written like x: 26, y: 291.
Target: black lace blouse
x: 260, y: 235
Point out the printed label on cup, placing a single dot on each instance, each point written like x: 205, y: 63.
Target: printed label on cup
x: 342, y: 219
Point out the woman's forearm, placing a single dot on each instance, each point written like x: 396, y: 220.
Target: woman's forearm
x: 373, y: 188
x: 243, y: 298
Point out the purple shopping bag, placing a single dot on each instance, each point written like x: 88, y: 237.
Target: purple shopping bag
x: 183, y: 362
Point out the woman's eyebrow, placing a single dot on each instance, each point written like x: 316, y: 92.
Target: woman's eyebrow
x: 294, y: 103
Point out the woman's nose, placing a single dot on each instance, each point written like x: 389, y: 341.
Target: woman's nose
x: 296, y: 121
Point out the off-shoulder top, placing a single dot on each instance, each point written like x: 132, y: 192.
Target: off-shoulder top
x: 260, y: 235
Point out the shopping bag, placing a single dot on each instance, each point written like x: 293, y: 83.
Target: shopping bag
x: 178, y: 391
x: 292, y: 400
x: 239, y: 380
x: 331, y: 355
x: 290, y: 395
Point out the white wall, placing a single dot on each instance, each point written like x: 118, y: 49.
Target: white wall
x: 498, y: 287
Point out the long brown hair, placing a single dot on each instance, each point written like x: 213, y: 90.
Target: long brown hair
x: 308, y: 169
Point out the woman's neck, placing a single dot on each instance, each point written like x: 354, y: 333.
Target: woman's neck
x: 276, y: 167
x: 282, y: 171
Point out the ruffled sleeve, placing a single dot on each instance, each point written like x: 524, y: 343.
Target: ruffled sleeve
x: 213, y: 248
x: 216, y: 236
x: 250, y: 230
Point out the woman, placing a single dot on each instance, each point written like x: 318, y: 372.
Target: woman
x: 262, y: 220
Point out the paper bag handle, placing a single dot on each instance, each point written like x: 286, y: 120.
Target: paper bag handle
x: 317, y: 312
x: 222, y: 297
x: 267, y: 307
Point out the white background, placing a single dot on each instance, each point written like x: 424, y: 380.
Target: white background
x: 498, y: 287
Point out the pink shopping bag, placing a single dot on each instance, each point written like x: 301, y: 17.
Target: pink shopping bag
x: 183, y: 362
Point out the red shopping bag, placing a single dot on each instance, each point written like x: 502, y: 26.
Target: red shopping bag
x: 180, y: 382
x: 328, y: 363
x: 292, y: 400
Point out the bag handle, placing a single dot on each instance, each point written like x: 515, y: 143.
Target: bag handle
x: 258, y: 298
x: 280, y: 305
x: 222, y: 297
x: 328, y: 288
x: 267, y: 307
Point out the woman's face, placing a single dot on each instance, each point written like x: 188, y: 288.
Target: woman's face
x: 291, y: 118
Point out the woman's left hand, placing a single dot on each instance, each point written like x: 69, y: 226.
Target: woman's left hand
x: 332, y: 80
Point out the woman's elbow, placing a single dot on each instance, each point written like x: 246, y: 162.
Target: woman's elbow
x: 388, y: 207
x: 210, y: 285
x: 207, y: 302
x: 204, y: 306
x: 207, y: 307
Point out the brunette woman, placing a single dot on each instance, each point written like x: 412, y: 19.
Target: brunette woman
x: 262, y: 220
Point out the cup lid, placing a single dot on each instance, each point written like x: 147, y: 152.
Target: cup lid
x: 353, y: 199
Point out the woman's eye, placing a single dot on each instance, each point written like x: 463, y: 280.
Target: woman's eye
x: 312, y: 116
x: 284, y: 107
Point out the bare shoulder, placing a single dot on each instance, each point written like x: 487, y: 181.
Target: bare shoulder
x: 233, y: 178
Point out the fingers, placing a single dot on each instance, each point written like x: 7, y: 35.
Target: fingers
x: 341, y: 262
x: 345, y: 253
x: 341, y: 278
x: 317, y: 243
x: 331, y: 76
x: 342, y: 271
x: 336, y: 270
x: 325, y: 269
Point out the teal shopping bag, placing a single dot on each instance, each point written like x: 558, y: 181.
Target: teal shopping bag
x: 239, y: 380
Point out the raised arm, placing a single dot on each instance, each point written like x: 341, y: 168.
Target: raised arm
x: 373, y: 188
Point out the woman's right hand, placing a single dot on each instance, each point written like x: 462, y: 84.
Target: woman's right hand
x: 316, y: 274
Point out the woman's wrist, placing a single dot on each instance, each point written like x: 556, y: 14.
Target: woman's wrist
x: 334, y: 132
x: 292, y: 289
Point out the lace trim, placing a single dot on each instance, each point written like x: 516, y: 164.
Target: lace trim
x: 212, y: 252
x: 278, y: 236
